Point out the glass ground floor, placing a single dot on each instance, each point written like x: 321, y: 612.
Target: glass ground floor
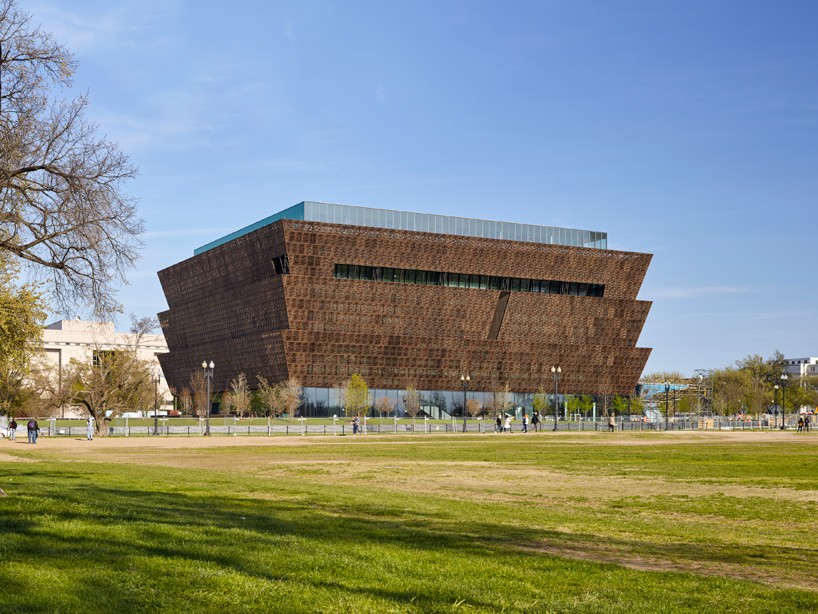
x: 438, y: 404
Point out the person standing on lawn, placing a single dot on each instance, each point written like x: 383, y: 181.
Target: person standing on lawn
x: 33, y: 429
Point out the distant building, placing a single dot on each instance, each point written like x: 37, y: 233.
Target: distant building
x: 320, y: 291
x: 801, y: 367
x: 65, y: 340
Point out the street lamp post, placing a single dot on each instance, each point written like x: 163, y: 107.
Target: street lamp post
x: 667, y: 403
x: 156, y: 377
x: 556, y: 372
x: 775, y: 415
x: 674, y: 406
x: 208, y: 373
x: 464, y: 381
x: 784, y: 378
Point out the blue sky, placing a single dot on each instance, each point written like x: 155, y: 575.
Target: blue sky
x: 687, y: 129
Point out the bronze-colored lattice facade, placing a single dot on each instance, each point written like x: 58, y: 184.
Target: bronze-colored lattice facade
x: 230, y: 305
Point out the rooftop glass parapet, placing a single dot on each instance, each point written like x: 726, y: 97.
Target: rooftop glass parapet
x: 423, y: 222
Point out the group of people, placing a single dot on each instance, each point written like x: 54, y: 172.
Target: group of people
x: 803, y: 423
x: 504, y: 425
x: 32, y: 427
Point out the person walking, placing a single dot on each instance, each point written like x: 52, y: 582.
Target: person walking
x: 611, y: 423
x: 499, y: 423
x: 13, y: 429
x: 33, y: 428
x: 535, y: 421
x: 508, y: 424
x: 525, y: 423
x: 91, y: 428
x: 356, y: 424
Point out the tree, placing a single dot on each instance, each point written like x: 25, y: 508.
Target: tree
x: 579, y: 404
x: 185, y: 400
x: 239, y: 397
x: 540, y: 402
x: 291, y: 395
x: 384, y: 406
x: 501, y: 399
x: 270, y: 396
x: 280, y: 398
x: 356, y: 396
x: 473, y: 407
x: 619, y: 405
x: 411, y: 403
x: 198, y: 386
x: 22, y: 311
x: 438, y: 400
x: 63, y: 208
x: 663, y: 376
x: 113, y: 382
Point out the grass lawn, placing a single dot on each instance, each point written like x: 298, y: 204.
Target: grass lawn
x: 643, y: 522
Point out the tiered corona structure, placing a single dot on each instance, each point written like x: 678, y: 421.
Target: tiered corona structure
x: 407, y: 299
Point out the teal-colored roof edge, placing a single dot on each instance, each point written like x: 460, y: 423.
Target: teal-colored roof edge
x: 296, y: 212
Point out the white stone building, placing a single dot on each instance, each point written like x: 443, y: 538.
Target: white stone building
x: 801, y: 367
x: 78, y: 340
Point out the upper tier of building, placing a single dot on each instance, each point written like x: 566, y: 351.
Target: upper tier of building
x: 309, y: 211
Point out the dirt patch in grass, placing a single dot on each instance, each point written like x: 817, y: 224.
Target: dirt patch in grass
x: 5, y: 457
x: 599, y: 553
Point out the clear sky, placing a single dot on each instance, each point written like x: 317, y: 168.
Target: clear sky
x: 684, y: 128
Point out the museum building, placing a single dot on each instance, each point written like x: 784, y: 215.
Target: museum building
x: 320, y: 291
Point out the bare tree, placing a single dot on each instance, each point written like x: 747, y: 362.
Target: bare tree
x: 198, y: 386
x: 473, y: 407
x: 185, y: 400
x: 113, y: 382
x: 239, y: 395
x: 384, y: 406
x: 63, y: 208
x: 291, y: 395
x: 411, y: 403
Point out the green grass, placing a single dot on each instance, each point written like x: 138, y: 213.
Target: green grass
x: 549, y: 523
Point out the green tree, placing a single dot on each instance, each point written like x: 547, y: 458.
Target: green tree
x: 356, y: 396
x: 619, y: 405
x: 579, y: 404
x: 540, y: 402
x: 63, y: 208
x: 22, y: 312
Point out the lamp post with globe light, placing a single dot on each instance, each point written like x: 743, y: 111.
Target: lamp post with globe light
x: 208, y: 373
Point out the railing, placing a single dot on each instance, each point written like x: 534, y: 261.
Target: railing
x: 49, y: 429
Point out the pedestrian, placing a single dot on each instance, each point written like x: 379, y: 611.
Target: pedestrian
x: 356, y: 424
x: 90, y: 428
x: 611, y: 423
x: 499, y: 422
x: 525, y: 423
x: 535, y: 421
x: 800, y: 424
x: 508, y: 424
x: 806, y: 422
x: 33, y: 429
x: 13, y: 429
